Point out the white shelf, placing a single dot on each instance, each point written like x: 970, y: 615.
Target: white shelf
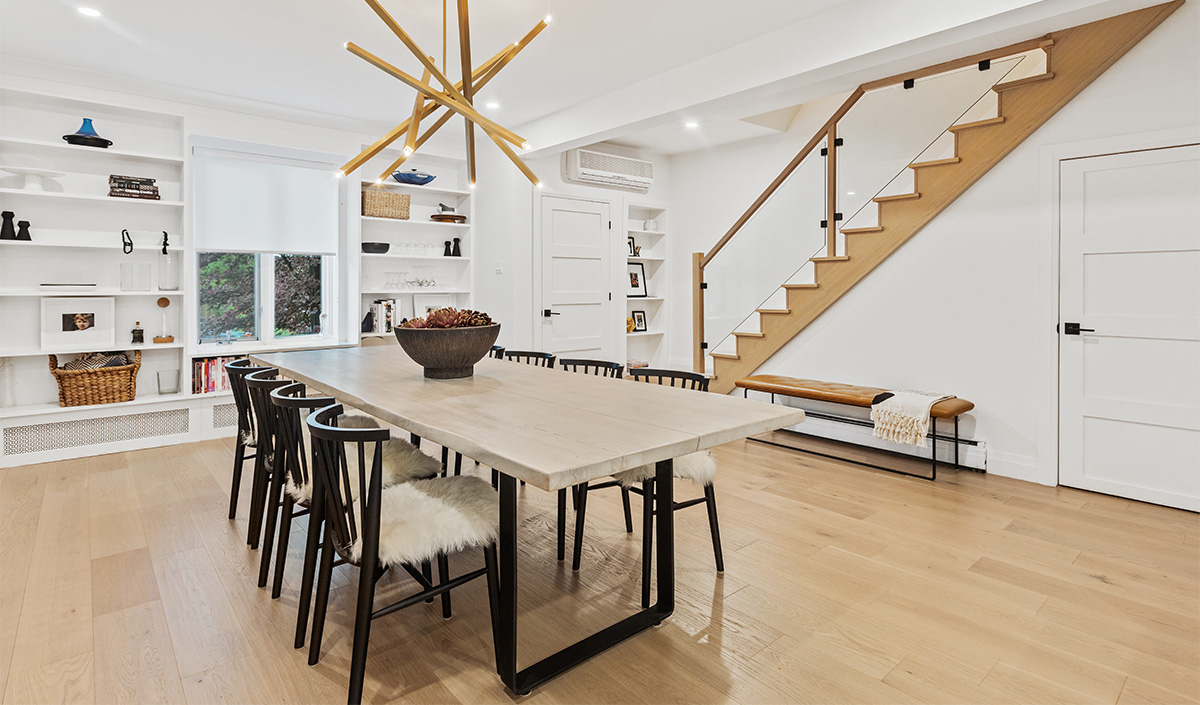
x: 389, y: 255
x: 138, y: 202
x: 646, y: 232
x: 647, y: 259
x: 33, y: 352
x: 373, y: 292
x: 396, y: 186
x: 97, y: 246
x: 635, y: 299
x: 63, y: 147
x: 644, y: 334
x: 415, y: 223
x: 140, y: 400
x: 38, y: 292
x: 375, y: 335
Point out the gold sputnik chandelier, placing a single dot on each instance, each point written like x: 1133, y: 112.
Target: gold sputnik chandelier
x: 455, y: 98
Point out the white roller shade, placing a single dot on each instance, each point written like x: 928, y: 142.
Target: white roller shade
x: 247, y: 202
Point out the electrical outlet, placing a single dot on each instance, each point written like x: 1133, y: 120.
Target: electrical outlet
x: 499, y: 267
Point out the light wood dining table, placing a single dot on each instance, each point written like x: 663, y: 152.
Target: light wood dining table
x: 552, y: 429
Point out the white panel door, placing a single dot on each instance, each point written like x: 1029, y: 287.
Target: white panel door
x: 1129, y: 395
x: 576, y: 285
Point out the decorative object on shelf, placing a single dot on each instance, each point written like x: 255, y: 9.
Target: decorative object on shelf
x: 448, y: 342
x: 126, y: 242
x: 632, y: 246
x: 7, y: 230
x: 443, y: 208
x: 375, y: 248
x: 457, y: 251
x: 77, y: 322
x: 425, y: 304
x: 629, y: 325
x: 448, y: 218
x: 637, y: 251
x: 23, y: 231
x: 381, y: 203
x: 105, y: 385
x: 168, y: 381
x: 137, y: 335
x: 368, y: 322
x: 86, y: 136
x: 168, y: 268
x: 135, y: 276
x: 132, y: 187
x: 166, y: 337
x: 639, y: 321
x: 637, y: 281
x: 650, y: 225
x: 456, y: 98
x: 35, y: 179
x: 449, y: 250
x: 412, y: 178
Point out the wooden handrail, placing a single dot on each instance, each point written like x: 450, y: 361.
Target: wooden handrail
x: 830, y: 125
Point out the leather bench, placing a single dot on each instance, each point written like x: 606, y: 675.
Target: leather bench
x: 852, y: 395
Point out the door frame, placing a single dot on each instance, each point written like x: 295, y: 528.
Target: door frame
x: 1050, y: 186
x: 538, y: 254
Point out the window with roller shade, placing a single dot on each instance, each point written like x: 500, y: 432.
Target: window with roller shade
x: 266, y: 232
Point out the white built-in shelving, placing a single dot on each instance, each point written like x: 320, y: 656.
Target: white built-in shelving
x: 649, y: 345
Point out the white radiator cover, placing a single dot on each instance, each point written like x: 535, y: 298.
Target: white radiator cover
x: 585, y: 166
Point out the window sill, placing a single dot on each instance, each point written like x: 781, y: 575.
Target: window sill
x: 247, y: 348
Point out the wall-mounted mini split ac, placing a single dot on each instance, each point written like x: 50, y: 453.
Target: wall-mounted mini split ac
x: 599, y: 169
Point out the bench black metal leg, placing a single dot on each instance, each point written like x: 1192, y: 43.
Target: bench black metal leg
x: 710, y: 499
x: 628, y: 513
x: 580, y: 520
x: 933, y: 446
x: 562, y: 523
x: 956, y: 465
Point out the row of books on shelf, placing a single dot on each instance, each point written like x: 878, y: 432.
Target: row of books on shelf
x: 384, y: 316
x: 208, y: 374
x: 132, y: 187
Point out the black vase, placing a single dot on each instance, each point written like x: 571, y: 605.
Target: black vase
x: 449, y: 251
x: 457, y: 252
x: 23, y: 230
x: 7, y: 231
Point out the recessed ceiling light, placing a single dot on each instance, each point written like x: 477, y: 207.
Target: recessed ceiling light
x: 691, y: 125
x: 849, y: 193
x: 89, y: 12
x: 492, y: 106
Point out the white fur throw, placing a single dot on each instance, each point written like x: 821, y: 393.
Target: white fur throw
x: 421, y: 519
x: 700, y: 468
x: 904, y: 416
x: 402, y: 461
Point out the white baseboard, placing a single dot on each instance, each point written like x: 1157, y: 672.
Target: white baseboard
x: 1018, y: 467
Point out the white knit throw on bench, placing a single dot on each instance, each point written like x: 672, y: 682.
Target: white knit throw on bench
x: 904, y: 417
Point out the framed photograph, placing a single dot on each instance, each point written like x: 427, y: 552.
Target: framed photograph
x: 637, y: 281
x: 83, y: 322
x: 639, y: 321
x: 424, y: 304
x: 633, y: 248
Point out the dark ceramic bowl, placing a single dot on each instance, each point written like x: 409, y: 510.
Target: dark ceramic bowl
x: 375, y: 248
x: 448, y: 353
x: 412, y: 178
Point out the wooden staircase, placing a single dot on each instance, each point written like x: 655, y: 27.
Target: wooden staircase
x: 1075, y: 57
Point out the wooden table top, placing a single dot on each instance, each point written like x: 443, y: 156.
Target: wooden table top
x: 548, y: 427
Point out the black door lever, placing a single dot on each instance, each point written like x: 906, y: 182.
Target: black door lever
x: 546, y: 313
x: 1074, y: 329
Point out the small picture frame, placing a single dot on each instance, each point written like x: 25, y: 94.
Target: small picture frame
x: 425, y: 304
x: 633, y: 248
x: 639, y: 321
x: 636, y: 281
x: 70, y: 323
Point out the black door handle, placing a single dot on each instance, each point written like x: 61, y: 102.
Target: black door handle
x: 546, y: 313
x: 1074, y: 329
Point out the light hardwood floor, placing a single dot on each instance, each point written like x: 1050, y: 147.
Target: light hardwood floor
x: 122, y: 580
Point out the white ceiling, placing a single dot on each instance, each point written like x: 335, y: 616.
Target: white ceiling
x: 628, y: 71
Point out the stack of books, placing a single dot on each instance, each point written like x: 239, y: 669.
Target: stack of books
x: 385, y: 315
x: 208, y: 374
x: 132, y: 187
x: 636, y: 364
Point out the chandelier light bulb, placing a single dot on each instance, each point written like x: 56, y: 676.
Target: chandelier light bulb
x: 340, y: 173
x: 407, y: 150
x: 547, y: 20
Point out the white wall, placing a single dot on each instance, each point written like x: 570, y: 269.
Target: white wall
x: 967, y: 306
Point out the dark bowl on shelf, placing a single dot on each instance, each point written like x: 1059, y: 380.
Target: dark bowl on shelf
x: 375, y: 248
x: 448, y: 353
x: 412, y: 178
x: 88, y: 141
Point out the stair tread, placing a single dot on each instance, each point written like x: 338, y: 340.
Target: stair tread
x: 978, y: 123
x: 774, y: 310
x: 897, y: 197
x: 741, y: 334
x: 934, y: 162
x: 828, y: 259
x: 871, y: 229
x: 724, y: 356
x: 801, y: 286
x: 1009, y: 85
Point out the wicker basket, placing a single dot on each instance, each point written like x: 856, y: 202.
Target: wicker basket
x: 106, y: 385
x: 379, y: 203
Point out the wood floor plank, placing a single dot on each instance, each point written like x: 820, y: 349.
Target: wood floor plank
x: 114, y: 513
x: 1022, y: 686
x: 21, y: 493
x: 134, y: 658
x: 122, y: 580
x: 67, y: 681
x: 1140, y: 692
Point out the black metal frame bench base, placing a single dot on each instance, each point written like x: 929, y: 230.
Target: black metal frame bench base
x: 932, y: 436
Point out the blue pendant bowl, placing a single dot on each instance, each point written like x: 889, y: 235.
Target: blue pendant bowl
x: 413, y: 178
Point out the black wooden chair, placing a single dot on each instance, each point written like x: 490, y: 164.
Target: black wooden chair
x: 600, y: 368
x: 237, y: 370
x: 697, y: 467
x: 497, y: 352
x: 382, y: 529
x: 530, y: 357
x: 259, y: 386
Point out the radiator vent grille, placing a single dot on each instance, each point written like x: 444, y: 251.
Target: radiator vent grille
x: 35, y: 438
x: 224, y: 415
x: 618, y: 165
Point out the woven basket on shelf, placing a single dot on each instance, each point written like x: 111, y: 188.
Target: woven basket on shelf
x: 106, y: 385
x: 378, y: 203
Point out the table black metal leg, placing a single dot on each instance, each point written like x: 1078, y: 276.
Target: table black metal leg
x: 505, y: 629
